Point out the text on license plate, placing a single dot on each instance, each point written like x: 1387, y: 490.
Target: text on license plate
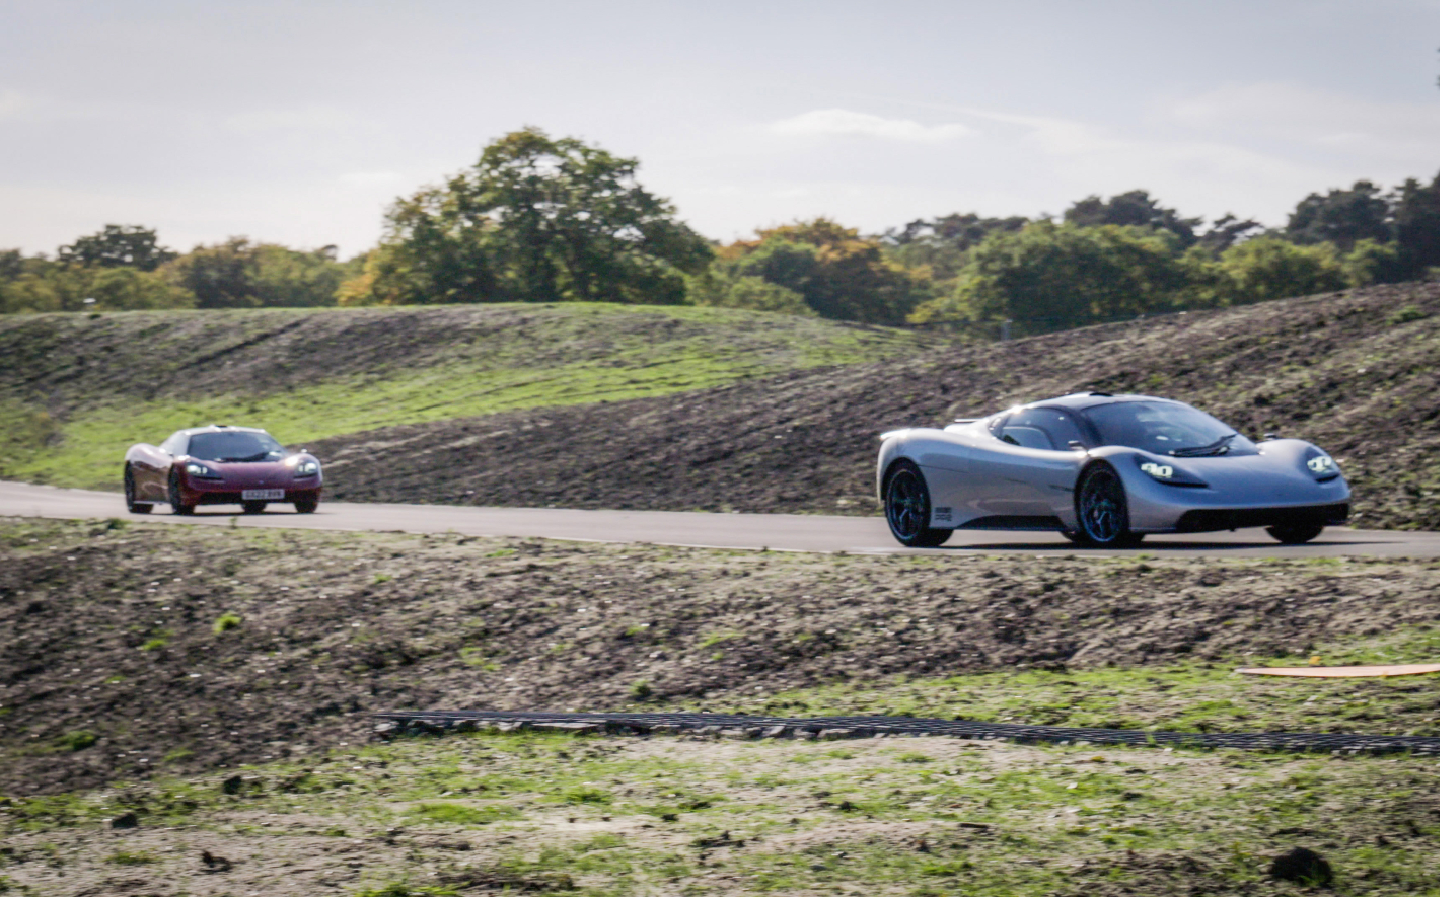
x: 262, y: 494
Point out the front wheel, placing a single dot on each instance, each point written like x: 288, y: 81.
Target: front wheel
x: 130, y: 504
x: 907, y: 509
x: 252, y: 507
x: 1295, y: 535
x: 307, y: 504
x: 176, y: 505
x: 1100, y: 505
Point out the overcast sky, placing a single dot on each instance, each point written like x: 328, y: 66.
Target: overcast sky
x: 298, y: 122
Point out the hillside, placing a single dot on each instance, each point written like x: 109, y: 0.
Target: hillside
x: 76, y: 391
x: 1357, y: 372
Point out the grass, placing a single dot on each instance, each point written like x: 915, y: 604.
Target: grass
x: 558, y: 355
x: 915, y: 817
x: 1186, y: 697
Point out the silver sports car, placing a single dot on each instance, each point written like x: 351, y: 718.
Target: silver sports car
x: 1104, y: 470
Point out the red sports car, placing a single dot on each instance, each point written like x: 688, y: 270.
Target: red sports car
x: 220, y: 465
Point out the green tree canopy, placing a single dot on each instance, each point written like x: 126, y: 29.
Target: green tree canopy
x: 241, y: 274
x: 1133, y: 209
x: 118, y: 246
x: 1273, y: 268
x: 535, y: 220
x: 831, y: 268
x: 1417, y: 225
x: 1342, y: 217
x: 1050, y: 277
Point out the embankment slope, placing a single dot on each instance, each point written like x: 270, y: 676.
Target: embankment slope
x: 1355, y: 372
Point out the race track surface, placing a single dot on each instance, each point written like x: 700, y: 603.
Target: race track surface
x: 781, y: 532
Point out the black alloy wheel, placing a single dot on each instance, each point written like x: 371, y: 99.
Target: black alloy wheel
x: 307, y: 504
x: 1100, y: 505
x: 907, y: 508
x: 253, y: 507
x: 174, y: 495
x: 1297, y: 534
x: 130, y: 504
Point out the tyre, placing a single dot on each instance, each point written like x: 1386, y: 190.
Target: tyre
x: 176, y: 507
x: 1295, y: 535
x: 1101, y: 510
x: 907, y: 508
x: 130, y: 504
x: 253, y: 507
x: 307, y: 504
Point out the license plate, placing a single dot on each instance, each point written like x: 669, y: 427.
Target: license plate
x: 262, y: 494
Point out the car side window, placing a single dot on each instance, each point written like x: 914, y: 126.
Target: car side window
x: 175, y: 445
x: 1041, y: 428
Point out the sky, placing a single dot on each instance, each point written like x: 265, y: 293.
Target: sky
x: 299, y: 122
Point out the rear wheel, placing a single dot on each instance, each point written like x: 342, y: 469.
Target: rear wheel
x: 1295, y: 535
x: 253, y: 507
x: 176, y: 506
x: 1100, y: 505
x: 130, y: 504
x: 307, y: 504
x: 907, y: 508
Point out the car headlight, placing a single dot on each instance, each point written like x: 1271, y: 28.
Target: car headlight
x: 307, y: 468
x: 1168, y: 474
x: 200, y: 470
x: 1323, y: 466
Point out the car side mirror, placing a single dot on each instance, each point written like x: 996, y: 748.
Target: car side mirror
x: 1268, y: 436
x: 1076, y: 445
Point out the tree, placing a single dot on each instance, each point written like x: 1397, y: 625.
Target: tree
x: 1342, y: 217
x: 755, y: 293
x: 1417, y: 226
x: 241, y: 274
x: 535, y: 220
x: 1273, y: 268
x: 1226, y: 231
x: 118, y: 246
x: 838, y: 273
x: 1051, y: 277
x: 942, y: 244
x: 1133, y: 209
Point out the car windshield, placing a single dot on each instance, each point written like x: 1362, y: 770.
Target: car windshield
x: 235, y: 446
x: 1166, y: 428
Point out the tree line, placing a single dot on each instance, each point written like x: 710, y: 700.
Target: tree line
x: 539, y: 219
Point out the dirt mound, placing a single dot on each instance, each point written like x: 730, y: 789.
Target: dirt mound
x: 130, y: 649
x: 1356, y: 372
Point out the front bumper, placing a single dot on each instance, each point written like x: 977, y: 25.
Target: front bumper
x: 1209, y: 520
x: 232, y: 496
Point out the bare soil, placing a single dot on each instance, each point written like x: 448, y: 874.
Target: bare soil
x: 1357, y: 372
x: 116, y: 660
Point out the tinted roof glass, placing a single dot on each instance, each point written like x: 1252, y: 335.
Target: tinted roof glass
x: 1166, y: 428
x: 235, y: 446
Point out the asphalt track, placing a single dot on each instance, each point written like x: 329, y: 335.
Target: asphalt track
x: 778, y: 532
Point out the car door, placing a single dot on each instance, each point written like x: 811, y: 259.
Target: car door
x: 1033, y: 467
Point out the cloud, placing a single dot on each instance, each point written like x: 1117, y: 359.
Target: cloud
x: 1321, y: 120
x: 844, y: 123
x: 264, y: 120
x: 13, y: 103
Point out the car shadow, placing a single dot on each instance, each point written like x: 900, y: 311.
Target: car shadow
x: 1187, y: 545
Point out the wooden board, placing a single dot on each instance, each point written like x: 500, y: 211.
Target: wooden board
x: 1404, y: 669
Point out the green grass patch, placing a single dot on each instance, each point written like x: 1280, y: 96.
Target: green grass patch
x: 929, y: 816
x: 131, y: 858
x: 462, y: 814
